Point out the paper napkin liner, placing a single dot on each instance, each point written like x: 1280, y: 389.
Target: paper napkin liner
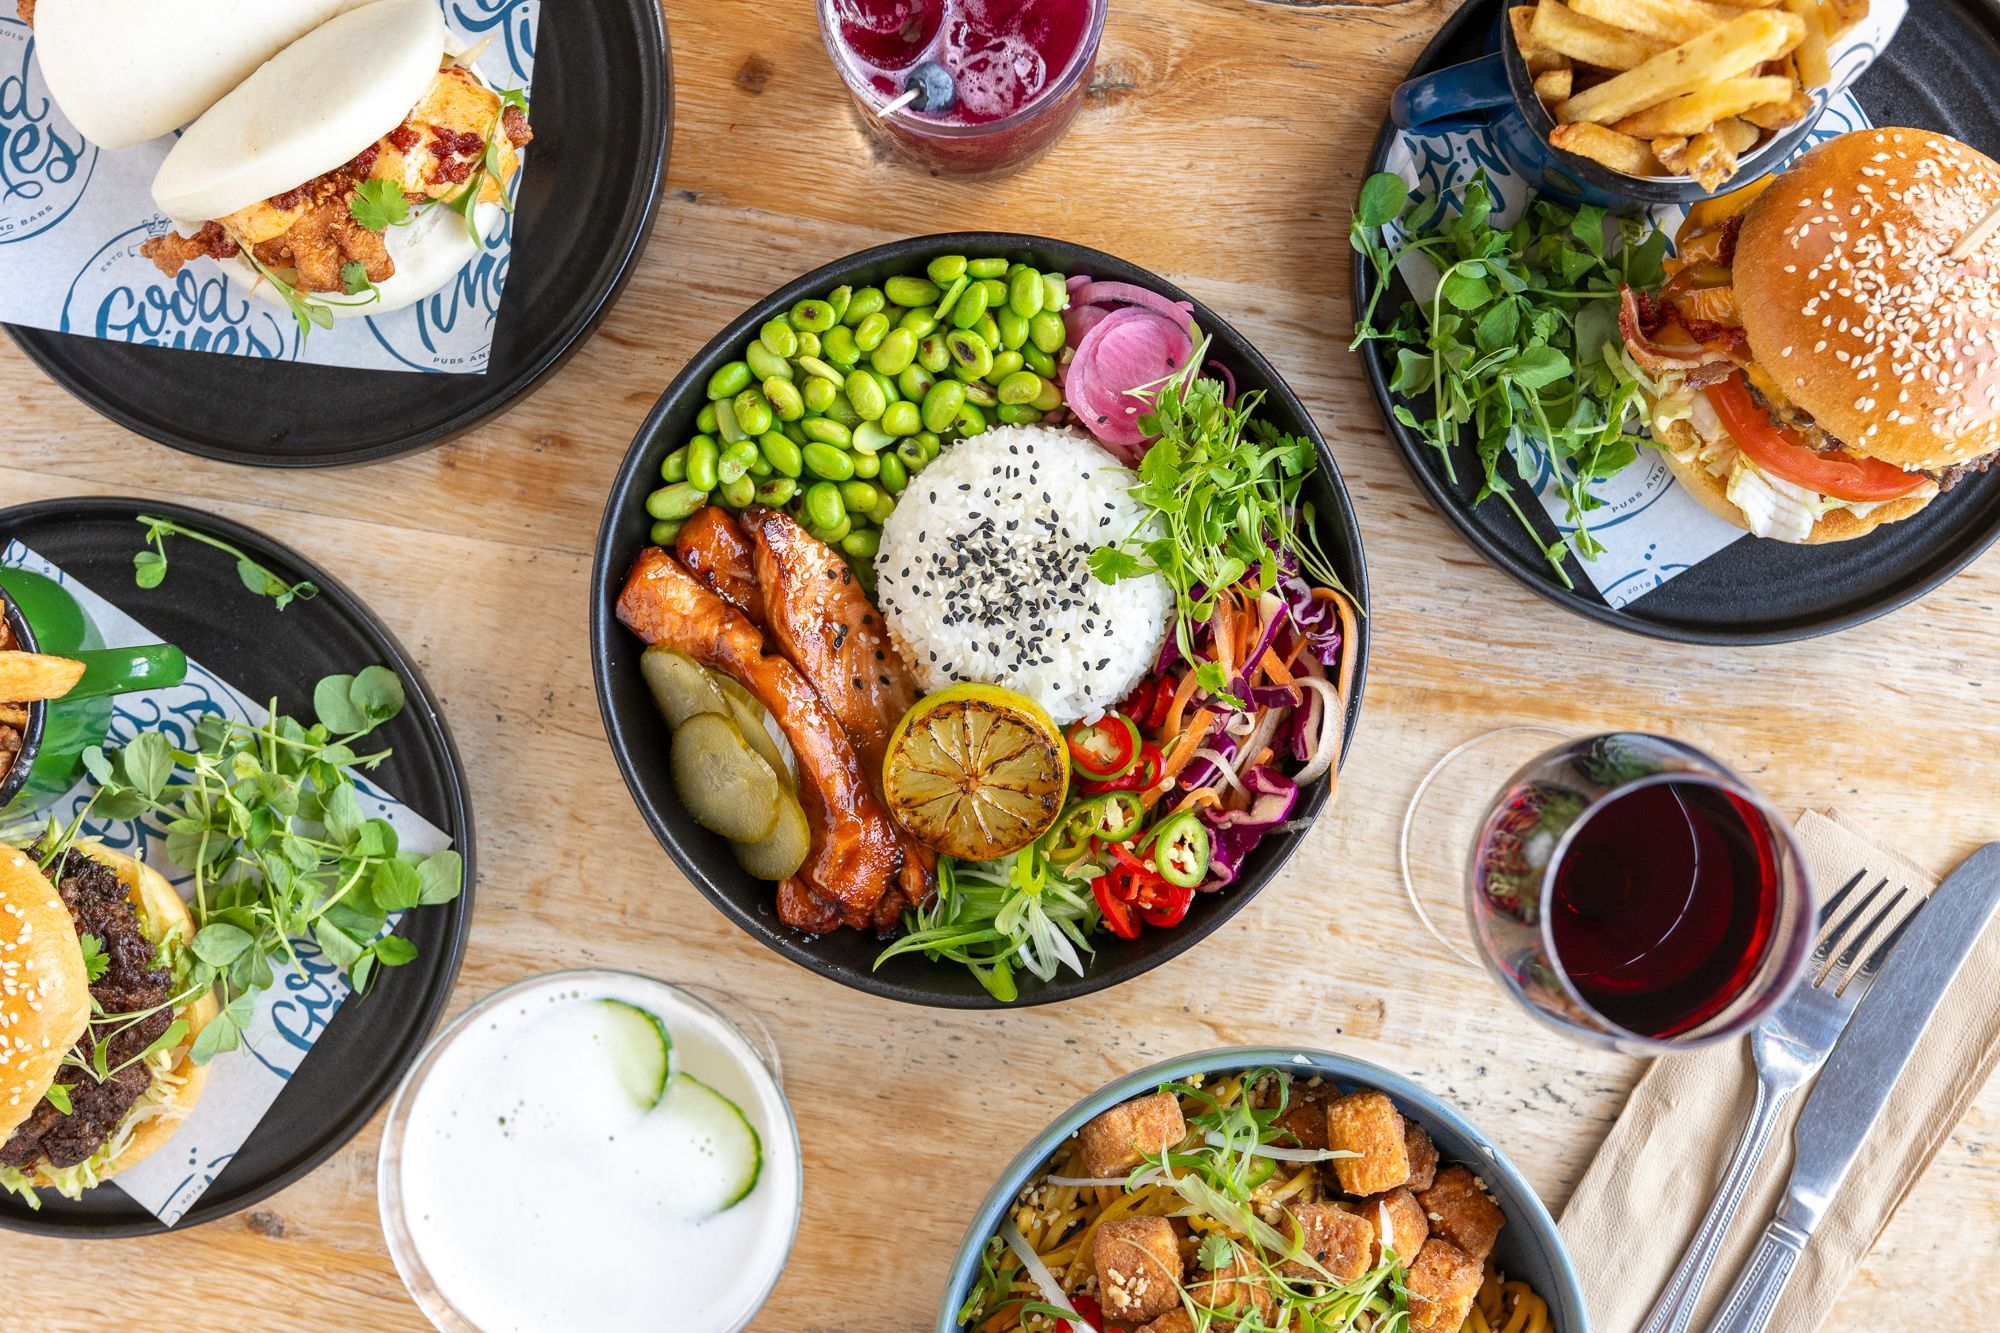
x: 1637, y: 1208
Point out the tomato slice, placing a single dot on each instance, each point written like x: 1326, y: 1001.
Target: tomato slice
x: 1781, y: 453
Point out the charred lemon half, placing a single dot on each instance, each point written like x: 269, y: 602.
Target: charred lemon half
x: 976, y: 771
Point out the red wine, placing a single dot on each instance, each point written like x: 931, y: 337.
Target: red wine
x: 1665, y: 905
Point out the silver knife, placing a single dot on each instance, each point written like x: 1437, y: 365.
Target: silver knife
x: 1859, y: 1076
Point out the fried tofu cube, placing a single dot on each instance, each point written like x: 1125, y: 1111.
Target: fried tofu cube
x: 1397, y: 1219
x: 1117, y: 1140
x: 1461, y: 1211
x: 1138, y: 1263
x: 1423, y: 1155
x: 1333, y: 1238
x: 1233, y: 1292
x: 1174, y: 1321
x: 1367, y: 1123
x: 1305, y: 1117
x: 1442, y: 1284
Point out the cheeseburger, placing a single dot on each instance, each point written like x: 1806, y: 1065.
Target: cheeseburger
x: 1821, y: 362
x: 356, y: 172
x: 96, y: 1035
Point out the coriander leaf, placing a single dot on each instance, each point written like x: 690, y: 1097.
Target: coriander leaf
x: 442, y: 877
x: 1216, y: 1252
x: 354, y: 278
x: 94, y: 959
x: 58, y: 1097
x: 379, y: 204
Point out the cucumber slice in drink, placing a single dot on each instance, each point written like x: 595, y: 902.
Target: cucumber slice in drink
x: 718, y: 1155
x: 641, y: 1050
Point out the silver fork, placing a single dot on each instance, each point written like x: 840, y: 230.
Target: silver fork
x: 1788, y: 1047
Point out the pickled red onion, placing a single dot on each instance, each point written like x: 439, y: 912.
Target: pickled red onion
x: 1128, y: 349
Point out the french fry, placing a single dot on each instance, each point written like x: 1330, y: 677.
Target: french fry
x: 1537, y: 57
x: 1739, y: 134
x: 1777, y: 115
x: 1691, y: 113
x: 1810, y: 57
x: 1719, y: 53
x: 1554, y: 85
x: 1620, y: 152
x: 13, y: 715
x: 1560, y: 28
x: 1746, y: 4
x: 27, y: 678
x: 1846, y: 13
x: 1669, y: 20
x: 1704, y: 156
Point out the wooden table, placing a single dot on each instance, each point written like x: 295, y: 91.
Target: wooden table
x: 1221, y: 144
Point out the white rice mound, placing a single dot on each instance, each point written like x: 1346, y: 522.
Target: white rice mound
x: 984, y: 572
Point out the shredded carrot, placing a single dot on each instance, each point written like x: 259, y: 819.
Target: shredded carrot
x: 1199, y: 796
x: 1345, y: 610
x: 1172, y: 726
x: 1263, y: 757
x: 1177, y: 759
x: 1277, y: 670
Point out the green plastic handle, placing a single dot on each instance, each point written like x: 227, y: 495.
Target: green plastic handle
x: 108, y: 671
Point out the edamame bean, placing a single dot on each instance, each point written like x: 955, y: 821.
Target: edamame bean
x: 915, y: 382
x: 1055, y: 292
x: 865, y: 302
x: 825, y: 430
x: 862, y: 545
x: 867, y: 465
x: 887, y: 383
x: 1013, y: 329
x: 980, y: 394
x: 823, y: 460
x: 735, y: 461
x: 726, y: 424
x: 1046, y: 332
x: 911, y: 292
x: 870, y: 332
x: 970, y: 308
x: 676, y: 501
x: 842, y: 412
x: 969, y: 351
x: 866, y: 395
x: 911, y: 453
x: 812, y: 316
x: 987, y: 268
x: 920, y: 323
x: 783, y: 453
x: 760, y: 466
x: 929, y: 445
x: 819, y: 393
x: 971, y: 421
x: 893, y: 476
x: 1025, y: 293
x: 946, y: 268
x: 1019, y: 388
x: 794, y: 433
x: 1004, y: 364
x: 739, y: 493
x: 704, y: 420
x: 703, y: 453
x: 1049, y: 398
x: 988, y: 329
x: 902, y: 419
x: 787, y: 403
x: 884, y: 507
x: 832, y: 536
x: 753, y: 412
x: 823, y: 505
x: 664, y: 533
x: 871, y: 438
x: 837, y: 345
x: 858, y: 496
x: 941, y: 405
x: 949, y: 301
x: 1039, y: 361
x: 779, y: 337
x: 777, y: 491
x: 728, y: 381
x: 813, y: 366
x: 933, y: 354
x: 895, y: 352
x: 674, y: 467
x: 808, y: 343
x: 766, y: 364
x: 839, y: 298
x: 996, y: 292
x: 895, y: 312
x: 1017, y: 414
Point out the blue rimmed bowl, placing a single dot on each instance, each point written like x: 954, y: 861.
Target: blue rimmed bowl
x: 1530, y: 1249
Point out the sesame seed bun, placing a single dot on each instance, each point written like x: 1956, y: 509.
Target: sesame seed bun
x: 1837, y: 525
x: 44, y: 994
x: 1853, y: 306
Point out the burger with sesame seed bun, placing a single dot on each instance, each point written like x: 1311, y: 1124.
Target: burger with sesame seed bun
x: 97, y: 1029
x: 1820, y: 362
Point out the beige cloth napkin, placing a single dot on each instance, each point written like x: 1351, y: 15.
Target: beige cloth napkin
x: 1636, y: 1210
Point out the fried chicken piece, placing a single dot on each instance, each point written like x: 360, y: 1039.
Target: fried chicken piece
x: 324, y: 240
x: 171, y: 252
x: 27, y: 11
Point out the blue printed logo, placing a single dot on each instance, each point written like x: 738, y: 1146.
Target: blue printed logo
x: 45, y: 164
x: 120, y: 295
x: 511, y: 24
x: 451, y: 330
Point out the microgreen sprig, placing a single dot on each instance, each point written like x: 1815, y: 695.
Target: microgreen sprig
x: 149, y: 568
x: 466, y: 202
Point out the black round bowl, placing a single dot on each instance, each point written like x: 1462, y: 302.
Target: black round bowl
x: 639, y: 736
x: 16, y: 776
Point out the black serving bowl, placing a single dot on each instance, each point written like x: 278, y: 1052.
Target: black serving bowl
x: 16, y: 776
x: 639, y: 736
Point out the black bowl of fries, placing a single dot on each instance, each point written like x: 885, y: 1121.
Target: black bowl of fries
x: 21, y: 725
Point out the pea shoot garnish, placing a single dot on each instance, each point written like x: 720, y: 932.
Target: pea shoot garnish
x: 466, y: 202
x: 1518, y: 349
x: 149, y: 567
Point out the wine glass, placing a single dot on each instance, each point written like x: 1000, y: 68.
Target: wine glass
x: 1633, y: 892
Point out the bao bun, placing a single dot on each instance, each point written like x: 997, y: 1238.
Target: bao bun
x: 1837, y: 525
x: 125, y: 71
x: 1854, y: 308
x: 42, y: 936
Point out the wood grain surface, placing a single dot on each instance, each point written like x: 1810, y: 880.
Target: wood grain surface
x: 1220, y: 145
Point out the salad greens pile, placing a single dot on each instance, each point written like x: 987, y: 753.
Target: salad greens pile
x: 1224, y: 489
x: 992, y: 915
x: 1518, y: 349
x: 268, y: 820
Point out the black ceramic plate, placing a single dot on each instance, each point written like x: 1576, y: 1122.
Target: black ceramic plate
x: 602, y: 108
x: 1937, y: 74
x: 639, y: 737
x: 203, y: 607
